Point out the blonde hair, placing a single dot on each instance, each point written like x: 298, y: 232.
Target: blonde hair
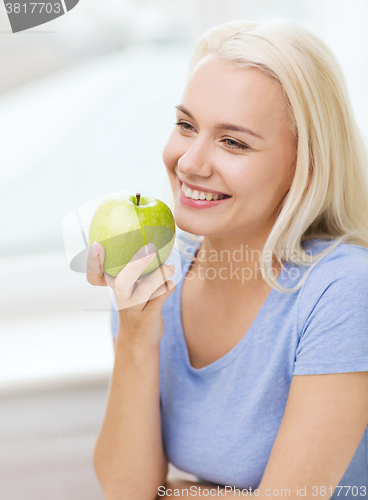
x: 328, y: 197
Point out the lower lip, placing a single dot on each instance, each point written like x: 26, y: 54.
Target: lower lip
x: 198, y: 203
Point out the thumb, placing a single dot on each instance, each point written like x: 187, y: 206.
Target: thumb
x: 158, y: 298
x: 95, y: 260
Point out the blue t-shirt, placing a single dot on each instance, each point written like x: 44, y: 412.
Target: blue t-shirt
x: 219, y: 422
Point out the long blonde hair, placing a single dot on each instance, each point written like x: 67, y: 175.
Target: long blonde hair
x: 328, y: 197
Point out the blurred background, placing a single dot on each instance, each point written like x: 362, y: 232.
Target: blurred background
x: 86, y: 106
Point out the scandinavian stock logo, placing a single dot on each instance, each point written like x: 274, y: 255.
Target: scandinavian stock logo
x: 24, y: 15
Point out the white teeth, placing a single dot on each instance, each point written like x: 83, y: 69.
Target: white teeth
x: 200, y: 195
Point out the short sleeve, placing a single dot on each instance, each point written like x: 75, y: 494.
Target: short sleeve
x: 333, y: 315
x: 114, y: 322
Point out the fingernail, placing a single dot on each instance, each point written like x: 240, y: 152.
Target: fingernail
x: 94, y: 250
x: 147, y: 257
x: 171, y: 266
x: 145, y: 251
x: 151, y: 248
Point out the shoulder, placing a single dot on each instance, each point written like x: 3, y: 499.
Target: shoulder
x: 346, y: 263
x: 338, y: 281
x: 332, y: 317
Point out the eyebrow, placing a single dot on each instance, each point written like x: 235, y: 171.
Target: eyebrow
x: 222, y: 126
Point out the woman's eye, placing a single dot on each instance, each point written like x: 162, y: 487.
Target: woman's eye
x: 234, y: 144
x: 229, y: 142
x: 185, y: 126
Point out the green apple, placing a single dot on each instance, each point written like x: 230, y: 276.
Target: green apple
x: 124, y: 223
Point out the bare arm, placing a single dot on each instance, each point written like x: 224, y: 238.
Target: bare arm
x: 324, y: 420
x: 129, y: 459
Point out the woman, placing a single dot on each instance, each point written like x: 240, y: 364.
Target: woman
x: 261, y: 379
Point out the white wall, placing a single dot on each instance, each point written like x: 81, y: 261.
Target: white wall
x: 342, y: 25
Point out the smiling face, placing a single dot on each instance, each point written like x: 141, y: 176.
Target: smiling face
x: 211, y: 149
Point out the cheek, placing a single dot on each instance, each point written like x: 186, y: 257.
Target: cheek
x: 172, y: 152
x: 260, y: 181
x: 274, y: 182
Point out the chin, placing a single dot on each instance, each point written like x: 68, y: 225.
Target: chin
x: 187, y: 225
x: 193, y: 227
x: 188, y: 228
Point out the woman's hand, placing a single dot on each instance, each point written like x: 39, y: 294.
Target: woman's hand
x: 129, y: 445
x: 139, y: 302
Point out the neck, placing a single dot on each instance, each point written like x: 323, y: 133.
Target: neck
x: 231, y: 265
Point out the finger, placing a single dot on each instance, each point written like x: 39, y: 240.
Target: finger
x: 152, y: 282
x: 145, y: 288
x: 110, y: 280
x: 126, y: 279
x: 95, y: 260
x: 158, y: 298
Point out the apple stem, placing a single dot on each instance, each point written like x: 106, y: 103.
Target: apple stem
x: 138, y: 195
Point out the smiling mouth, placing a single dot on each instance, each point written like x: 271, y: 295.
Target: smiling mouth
x: 195, y: 194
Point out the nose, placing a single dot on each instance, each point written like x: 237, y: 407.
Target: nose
x: 196, y: 160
